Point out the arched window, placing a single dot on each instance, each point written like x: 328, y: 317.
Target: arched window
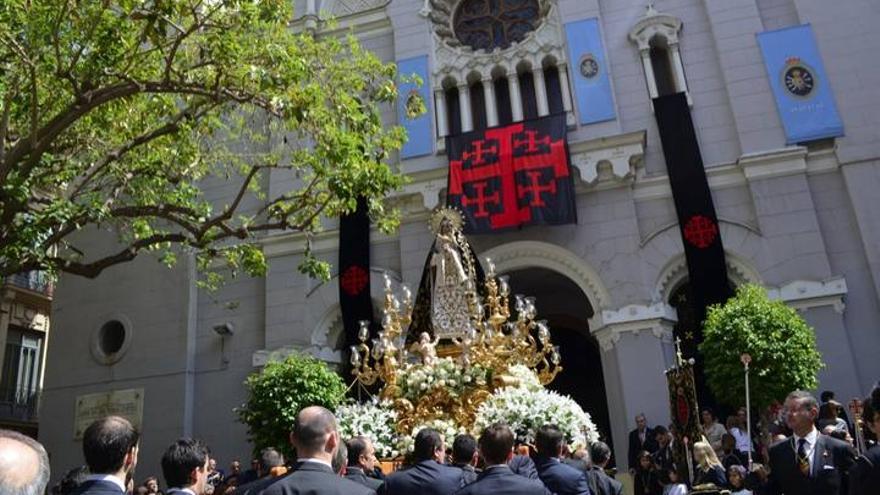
x: 453, y: 110
x: 490, y: 24
x: 527, y: 92
x: 478, y: 105
x: 502, y: 101
x: 662, y: 65
x: 554, y: 89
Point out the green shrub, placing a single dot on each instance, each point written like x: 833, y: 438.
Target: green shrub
x: 280, y: 391
x: 781, y: 344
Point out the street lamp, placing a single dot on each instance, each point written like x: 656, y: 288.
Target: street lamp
x: 746, y: 359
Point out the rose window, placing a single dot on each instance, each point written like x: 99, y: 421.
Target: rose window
x: 490, y: 24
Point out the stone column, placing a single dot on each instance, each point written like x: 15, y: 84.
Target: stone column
x: 564, y: 87
x: 515, y: 97
x: 540, y: 92
x: 678, y: 68
x: 491, y: 104
x: 440, y: 108
x: 649, y: 73
x: 464, y: 103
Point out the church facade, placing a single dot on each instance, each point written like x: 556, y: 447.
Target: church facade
x: 795, y: 211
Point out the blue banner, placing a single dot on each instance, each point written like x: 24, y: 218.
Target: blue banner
x: 589, y: 71
x: 801, y: 87
x: 420, y: 135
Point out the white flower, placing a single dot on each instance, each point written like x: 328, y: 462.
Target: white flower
x: 375, y: 420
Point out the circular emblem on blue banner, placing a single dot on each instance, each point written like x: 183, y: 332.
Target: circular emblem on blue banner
x: 798, y: 78
x: 589, y: 66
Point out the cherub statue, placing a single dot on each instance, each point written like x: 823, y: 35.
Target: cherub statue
x: 426, y: 348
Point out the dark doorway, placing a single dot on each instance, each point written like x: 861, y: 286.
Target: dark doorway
x: 567, y: 311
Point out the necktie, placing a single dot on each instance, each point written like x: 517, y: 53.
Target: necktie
x: 803, y: 460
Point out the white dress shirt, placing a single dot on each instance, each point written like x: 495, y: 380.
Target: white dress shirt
x: 809, y: 445
x: 109, y: 478
x: 315, y: 459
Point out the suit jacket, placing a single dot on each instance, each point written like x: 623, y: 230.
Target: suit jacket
x: 356, y: 474
x: 256, y: 486
x: 523, y: 465
x: 636, y: 446
x: 832, y: 459
x: 865, y: 476
x: 468, y: 473
x: 424, y: 478
x: 602, y: 484
x: 560, y: 478
x: 313, y: 478
x: 579, y: 464
x: 97, y: 488
x: 497, y: 480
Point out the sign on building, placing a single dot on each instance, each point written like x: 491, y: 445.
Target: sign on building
x: 126, y: 403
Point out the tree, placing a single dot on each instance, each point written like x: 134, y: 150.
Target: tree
x: 781, y: 344
x: 113, y: 115
x: 279, y: 392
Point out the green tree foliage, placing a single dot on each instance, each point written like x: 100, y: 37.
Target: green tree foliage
x: 781, y: 344
x: 279, y: 392
x: 115, y: 114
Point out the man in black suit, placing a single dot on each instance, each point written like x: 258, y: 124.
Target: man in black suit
x: 559, y: 478
x: 496, y: 448
x: 642, y: 438
x: 185, y: 467
x: 664, y: 456
x: 600, y: 483
x: 865, y: 477
x: 24, y: 465
x: 361, y: 460
x: 316, y: 440
x: 428, y: 476
x: 465, y: 457
x: 808, y: 462
x: 110, y: 446
x: 269, y: 458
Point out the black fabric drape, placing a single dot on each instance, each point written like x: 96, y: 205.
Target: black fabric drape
x: 354, y: 271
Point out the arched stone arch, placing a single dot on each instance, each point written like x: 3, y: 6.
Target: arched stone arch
x: 535, y: 254
x: 673, y: 274
x: 323, y: 316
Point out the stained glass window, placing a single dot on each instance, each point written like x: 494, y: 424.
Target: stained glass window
x: 490, y: 24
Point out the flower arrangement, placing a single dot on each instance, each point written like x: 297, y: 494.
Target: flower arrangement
x: 447, y: 428
x: 375, y: 420
x: 419, y: 379
x: 525, y: 409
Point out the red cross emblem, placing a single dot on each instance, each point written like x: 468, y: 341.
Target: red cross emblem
x: 354, y: 279
x: 700, y: 231
x: 507, y: 173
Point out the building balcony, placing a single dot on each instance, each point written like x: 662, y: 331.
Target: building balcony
x: 34, y: 281
x: 18, y: 407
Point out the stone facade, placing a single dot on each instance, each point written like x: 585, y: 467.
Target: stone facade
x: 800, y: 220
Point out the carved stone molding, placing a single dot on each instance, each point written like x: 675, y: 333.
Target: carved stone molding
x: 806, y: 294
x: 654, y: 24
x: 453, y: 59
x: 658, y: 319
x: 675, y: 272
x: 342, y: 8
x: 622, y: 152
x: 534, y: 254
x: 27, y: 316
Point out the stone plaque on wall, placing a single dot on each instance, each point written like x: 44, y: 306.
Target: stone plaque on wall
x: 126, y: 403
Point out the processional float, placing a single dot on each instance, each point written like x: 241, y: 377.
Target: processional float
x: 455, y: 317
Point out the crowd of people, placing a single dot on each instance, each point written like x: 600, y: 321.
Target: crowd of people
x: 806, y: 461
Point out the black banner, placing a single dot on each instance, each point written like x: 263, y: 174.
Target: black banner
x: 354, y: 271
x: 509, y: 177
x: 707, y: 270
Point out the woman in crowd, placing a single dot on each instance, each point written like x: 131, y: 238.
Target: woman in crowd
x: 646, y: 480
x: 709, y: 468
x: 736, y: 478
x: 673, y: 484
x: 736, y: 427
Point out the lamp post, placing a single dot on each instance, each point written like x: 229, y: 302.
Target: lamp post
x: 746, y: 359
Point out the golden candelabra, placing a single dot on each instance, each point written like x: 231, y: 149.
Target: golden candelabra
x: 493, y: 342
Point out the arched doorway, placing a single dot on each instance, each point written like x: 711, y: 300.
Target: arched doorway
x: 567, y: 310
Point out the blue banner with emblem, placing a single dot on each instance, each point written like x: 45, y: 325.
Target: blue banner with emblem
x: 589, y: 71
x: 801, y: 87
x: 420, y: 135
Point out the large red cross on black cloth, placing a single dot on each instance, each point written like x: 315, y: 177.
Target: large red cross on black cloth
x: 512, y: 176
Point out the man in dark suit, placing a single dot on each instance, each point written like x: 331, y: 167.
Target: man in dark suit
x: 808, y: 462
x: 642, y: 438
x: 269, y: 458
x: 600, y: 483
x: 428, y: 476
x: 110, y: 446
x: 496, y: 448
x: 361, y: 460
x: 664, y: 456
x: 24, y: 465
x: 185, y: 467
x: 316, y: 440
x: 559, y: 478
x: 465, y: 457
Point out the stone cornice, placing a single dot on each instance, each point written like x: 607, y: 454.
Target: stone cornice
x: 807, y: 294
x: 658, y: 319
x: 622, y: 151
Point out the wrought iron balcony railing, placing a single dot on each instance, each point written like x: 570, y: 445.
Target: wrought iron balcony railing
x: 36, y: 281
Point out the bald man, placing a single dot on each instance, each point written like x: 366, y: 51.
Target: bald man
x: 24, y: 465
x: 316, y: 441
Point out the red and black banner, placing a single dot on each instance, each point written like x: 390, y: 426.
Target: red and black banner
x: 508, y: 177
x: 354, y: 270
x: 707, y: 269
